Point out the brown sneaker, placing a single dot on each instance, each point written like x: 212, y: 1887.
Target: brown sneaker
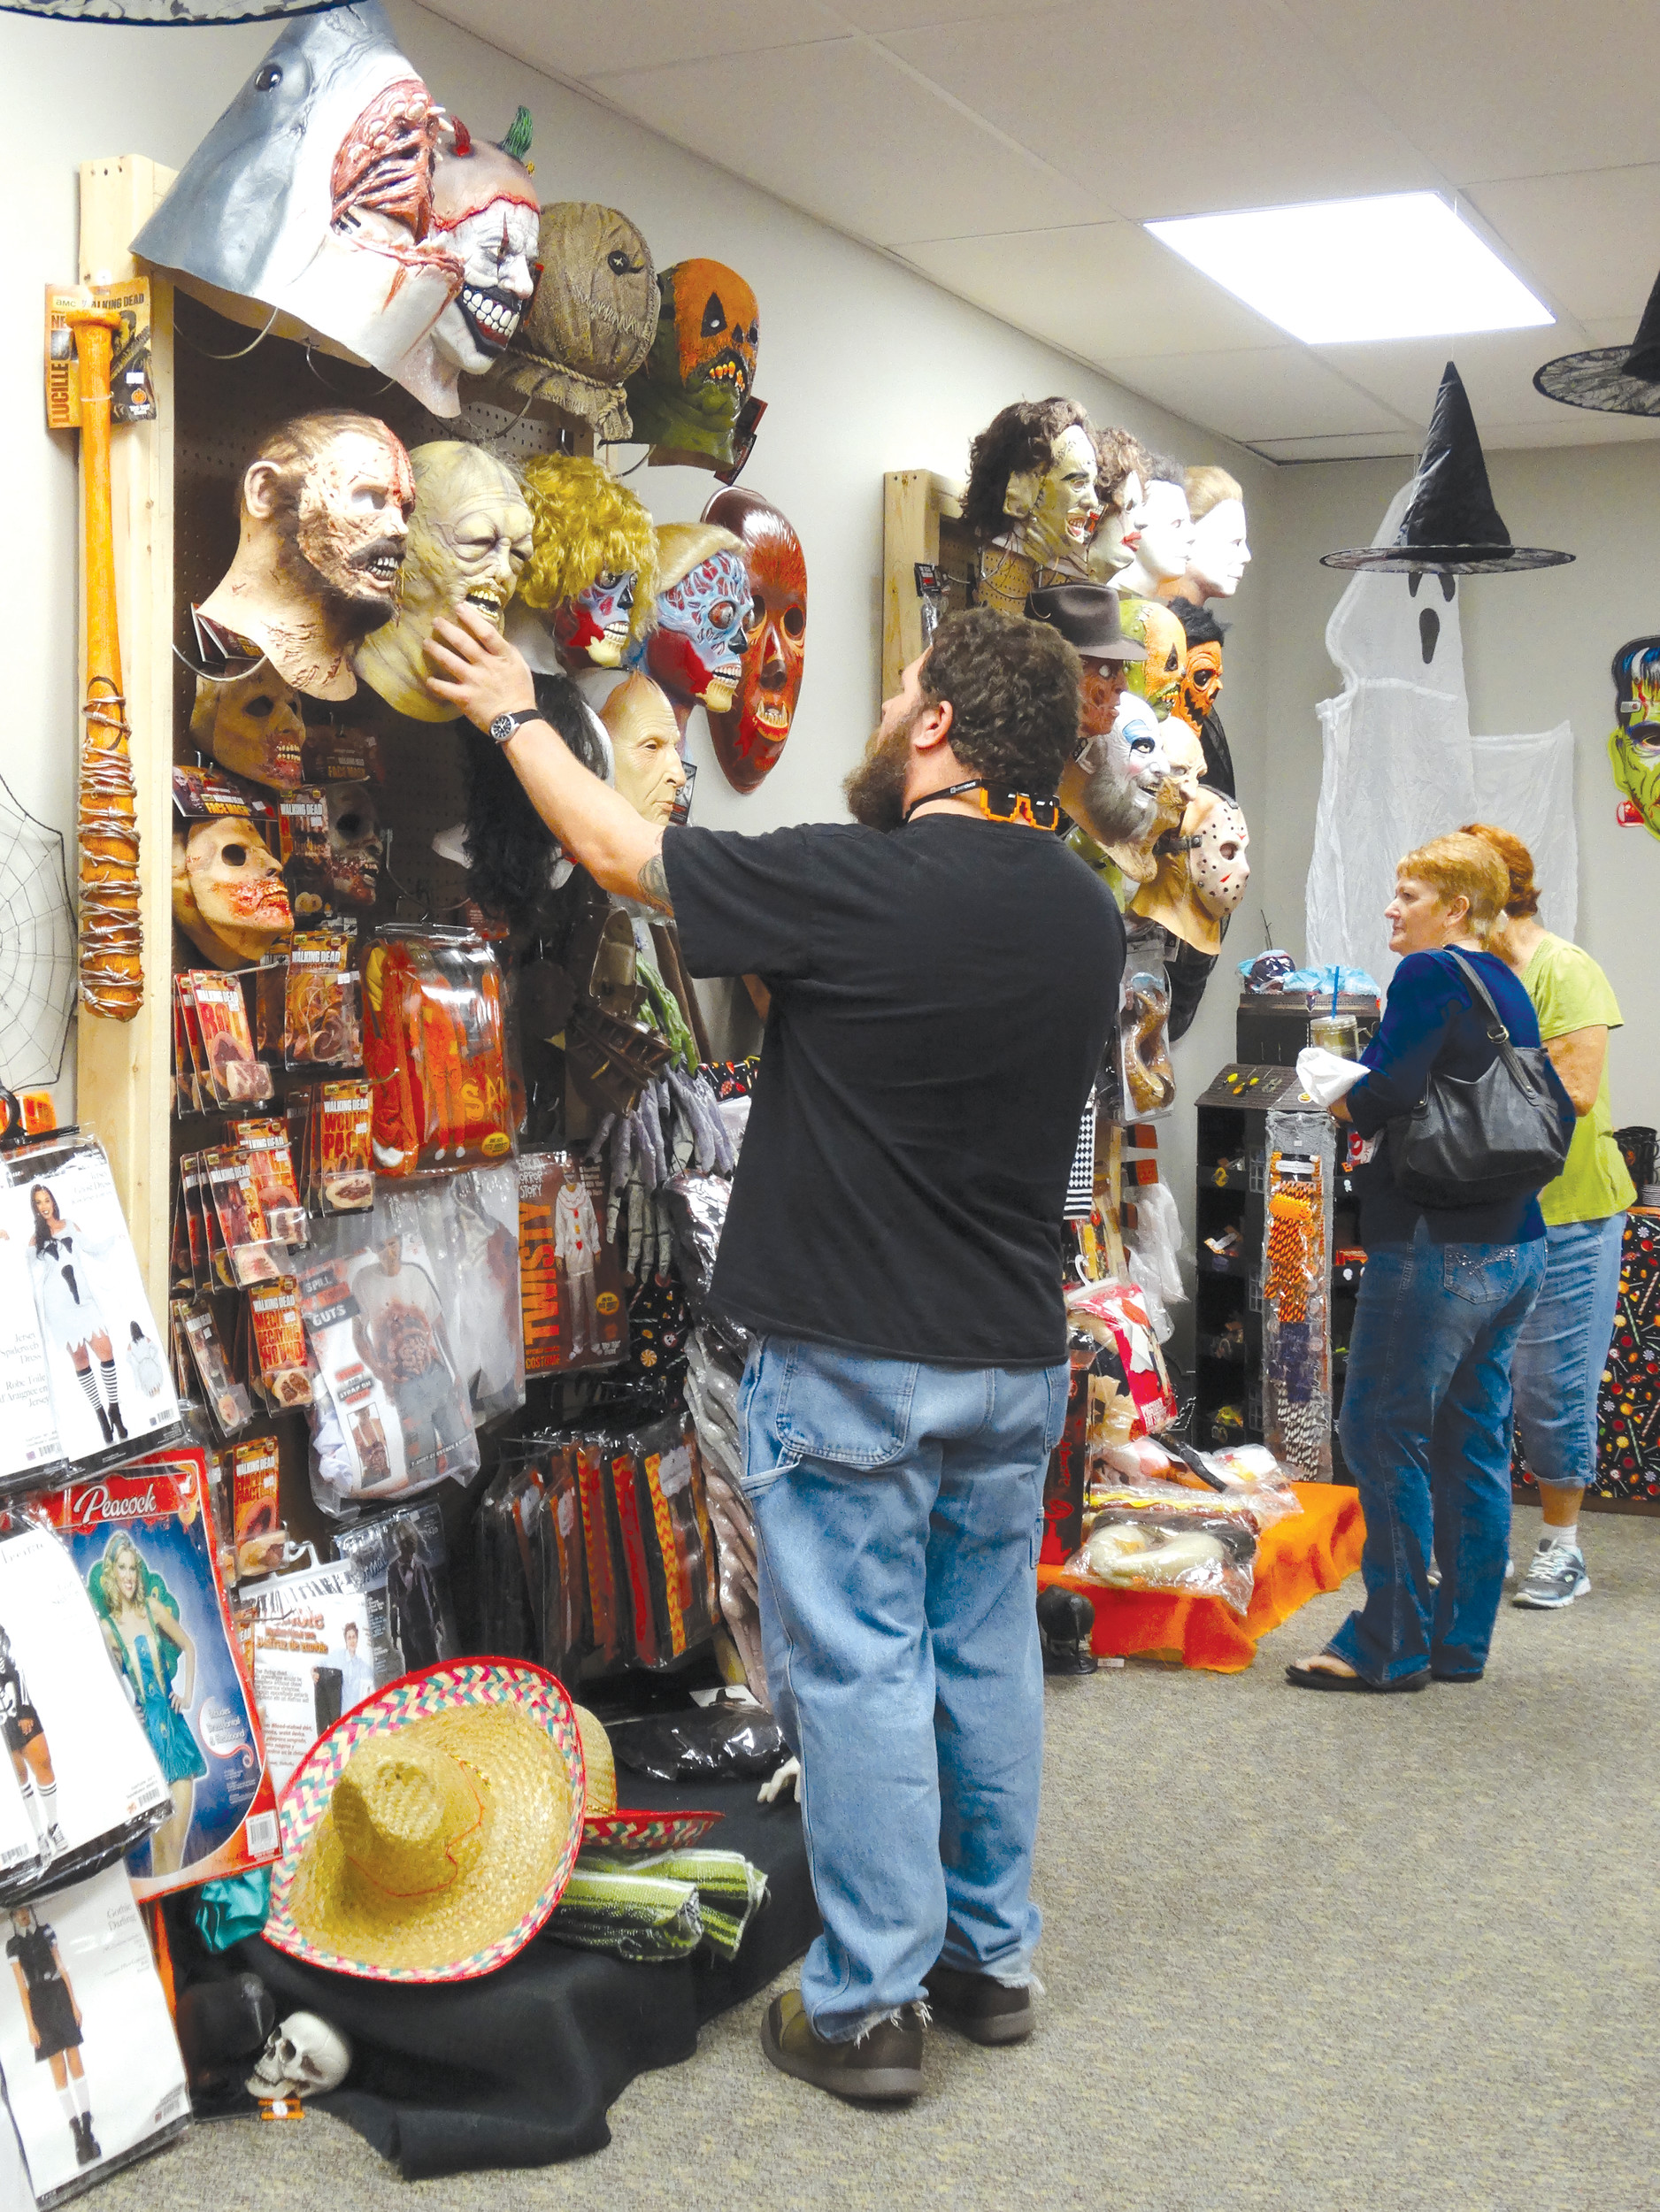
x: 984, y: 2010
x: 883, y: 2066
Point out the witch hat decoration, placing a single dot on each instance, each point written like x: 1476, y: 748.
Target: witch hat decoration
x: 1611, y: 379
x: 1451, y: 527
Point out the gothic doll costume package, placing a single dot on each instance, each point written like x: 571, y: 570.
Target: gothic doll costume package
x: 93, y: 2072
x: 142, y: 1546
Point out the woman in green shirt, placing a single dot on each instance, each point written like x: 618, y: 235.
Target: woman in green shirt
x: 1563, y: 1348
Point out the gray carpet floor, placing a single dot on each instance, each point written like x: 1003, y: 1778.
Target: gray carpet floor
x: 1303, y: 1953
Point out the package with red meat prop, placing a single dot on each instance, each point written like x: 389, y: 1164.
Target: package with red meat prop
x: 143, y: 1544
x: 1130, y: 1388
x: 433, y: 1051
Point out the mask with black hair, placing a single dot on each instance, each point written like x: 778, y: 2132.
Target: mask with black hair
x: 514, y: 861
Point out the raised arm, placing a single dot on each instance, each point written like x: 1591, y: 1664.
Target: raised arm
x: 475, y: 669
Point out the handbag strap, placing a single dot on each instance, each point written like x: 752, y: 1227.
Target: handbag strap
x: 1500, y: 1034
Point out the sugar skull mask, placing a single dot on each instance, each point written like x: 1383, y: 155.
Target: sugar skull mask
x: 702, y: 363
x: 702, y: 600
x: 594, y: 317
x: 750, y: 737
x: 647, y: 768
x: 1060, y: 508
x: 1200, y: 685
x: 228, y: 891
x: 355, y: 852
x: 485, y: 214
x: 468, y: 542
x: 591, y: 576
x: 324, y: 516
x: 1633, y: 749
x: 313, y: 192
x: 1158, y: 677
x: 251, y: 725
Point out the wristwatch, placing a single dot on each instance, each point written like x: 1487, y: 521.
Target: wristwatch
x: 502, y: 727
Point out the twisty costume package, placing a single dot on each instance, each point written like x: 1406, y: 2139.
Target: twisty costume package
x: 143, y: 1545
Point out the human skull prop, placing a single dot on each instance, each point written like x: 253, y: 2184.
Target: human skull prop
x: 306, y: 2057
x: 228, y: 896
x: 354, y: 853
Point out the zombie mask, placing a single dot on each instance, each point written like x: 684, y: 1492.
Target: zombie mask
x: 592, y: 575
x: 593, y: 319
x: 1119, y: 533
x: 313, y: 192
x: 354, y: 844
x: 1633, y: 749
x: 468, y: 542
x: 750, y: 736
x: 251, y: 725
x: 1163, y: 545
x: 324, y: 516
x: 702, y: 600
x: 1220, y: 554
x: 1057, y: 510
x: 1200, y: 685
x: 485, y: 213
x: 647, y: 770
x: 227, y: 892
x: 685, y: 398
x: 1157, y: 678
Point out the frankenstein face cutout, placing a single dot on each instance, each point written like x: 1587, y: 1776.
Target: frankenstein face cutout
x: 703, y: 601
x: 750, y: 736
x: 485, y: 214
x: 467, y: 544
x: 594, y: 317
x: 228, y: 891
x: 1060, y: 508
x: 251, y: 725
x: 645, y: 748
x: 592, y: 575
x: 702, y: 364
x: 324, y: 521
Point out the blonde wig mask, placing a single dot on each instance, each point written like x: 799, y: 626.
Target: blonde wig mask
x: 592, y: 575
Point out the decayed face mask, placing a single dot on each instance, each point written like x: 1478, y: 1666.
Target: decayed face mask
x: 228, y: 896
x: 251, y: 725
x: 1066, y: 508
x: 1152, y: 625
x: 354, y: 853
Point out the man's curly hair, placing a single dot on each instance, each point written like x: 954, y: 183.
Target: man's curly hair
x: 585, y: 522
x: 1117, y: 456
x: 1015, y: 442
x: 1013, y: 689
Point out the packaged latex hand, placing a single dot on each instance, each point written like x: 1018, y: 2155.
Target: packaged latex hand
x: 1326, y: 1077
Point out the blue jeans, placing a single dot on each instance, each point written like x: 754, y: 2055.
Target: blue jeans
x: 1562, y: 1349
x: 898, y: 1509
x: 1426, y: 1428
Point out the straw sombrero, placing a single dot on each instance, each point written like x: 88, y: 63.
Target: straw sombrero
x: 427, y: 1836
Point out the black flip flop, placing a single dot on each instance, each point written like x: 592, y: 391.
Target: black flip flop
x: 1323, y: 1678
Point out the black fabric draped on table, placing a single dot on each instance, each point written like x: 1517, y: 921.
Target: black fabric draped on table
x: 520, y: 2067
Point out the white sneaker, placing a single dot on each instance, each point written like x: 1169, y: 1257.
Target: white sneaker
x: 1556, y: 1576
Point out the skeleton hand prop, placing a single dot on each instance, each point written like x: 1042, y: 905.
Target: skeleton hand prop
x: 771, y: 1791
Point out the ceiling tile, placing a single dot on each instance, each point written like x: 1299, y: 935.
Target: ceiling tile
x: 1361, y: 445
x: 1532, y: 89
x: 1591, y: 239
x: 1496, y: 366
x: 1578, y: 427
x: 572, y: 39
x: 1106, y: 289
x: 1271, y: 392
x: 906, y: 15
x: 1259, y: 135
x: 837, y: 130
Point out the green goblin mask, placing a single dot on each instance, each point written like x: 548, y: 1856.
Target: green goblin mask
x: 1633, y: 749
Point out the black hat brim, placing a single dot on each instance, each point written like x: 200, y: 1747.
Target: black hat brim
x: 1445, y: 560
x: 1597, y: 380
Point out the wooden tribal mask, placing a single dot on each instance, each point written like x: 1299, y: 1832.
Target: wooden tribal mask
x: 750, y: 735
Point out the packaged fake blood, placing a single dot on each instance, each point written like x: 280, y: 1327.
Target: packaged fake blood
x: 433, y: 1051
x: 251, y: 1254
x: 265, y: 1143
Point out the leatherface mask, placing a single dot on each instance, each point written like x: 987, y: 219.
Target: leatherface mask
x: 647, y: 767
x: 324, y: 525
x: 593, y: 319
x: 227, y: 892
x: 702, y: 364
x: 485, y: 213
x: 1158, y: 677
x: 593, y: 571
x: 468, y: 542
x: 1058, y: 512
x: 354, y: 853
x: 313, y: 192
x: 693, y: 651
x: 1633, y: 747
x: 1200, y: 685
x: 251, y: 725
x: 750, y: 736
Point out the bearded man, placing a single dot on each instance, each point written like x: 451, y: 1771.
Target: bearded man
x: 942, y: 976
x: 325, y: 515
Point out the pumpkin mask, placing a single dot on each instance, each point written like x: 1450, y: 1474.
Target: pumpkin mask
x: 750, y: 735
x: 1156, y: 677
x: 685, y: 399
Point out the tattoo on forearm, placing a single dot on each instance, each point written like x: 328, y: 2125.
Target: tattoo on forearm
x: 653, y: 884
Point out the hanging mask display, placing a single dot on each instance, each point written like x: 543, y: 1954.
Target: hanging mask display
x: 592, y: 577
x: 593, y: 319
x: 1202, y: 874
x: 1030, y: 503
x: 251, y: 725
x: 1150, y: 769
x: 1164, y: 544
x: 1201, y: 685
x: 750, y: 735
x: 703, y: 597
x: 1123, y: 465
x: 1221, y: 552
x: 354, y: 851
x: 468, y: 543
x: 323, y: 523
x: 1158, y: 677
x: 1633, y: 747
x: 228, y: 891
x: 485, y: 215
x: 647, y: 767
x: 685, y: 398
x: 313, y: 192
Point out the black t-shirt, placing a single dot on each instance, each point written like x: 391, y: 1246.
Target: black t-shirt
x: 941, y: 998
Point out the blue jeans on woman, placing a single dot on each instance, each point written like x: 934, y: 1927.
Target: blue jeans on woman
x: 899, y: 1510
x: 1425, y: 1429
x: 1562, y: 1349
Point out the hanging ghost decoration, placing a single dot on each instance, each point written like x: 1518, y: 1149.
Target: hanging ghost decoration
x: 313, y: 192
x: 750, y: 735
x: 687, y: 398
x: 593, y: 319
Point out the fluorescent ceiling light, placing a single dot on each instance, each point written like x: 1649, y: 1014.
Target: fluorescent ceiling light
x: 1400, y: 266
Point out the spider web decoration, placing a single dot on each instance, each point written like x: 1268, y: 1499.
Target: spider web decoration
x: 37, y: 947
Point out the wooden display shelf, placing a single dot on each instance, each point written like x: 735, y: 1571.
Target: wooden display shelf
x: 922, y: 520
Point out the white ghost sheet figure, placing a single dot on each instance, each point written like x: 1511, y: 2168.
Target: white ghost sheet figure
x: 1400, y: 765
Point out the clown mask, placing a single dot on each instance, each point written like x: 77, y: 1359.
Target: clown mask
x: 647, y: 767
x: 468, y: 542
x: 750, y: 736
x: 251, y: 725
x: 1157, y: 678
x: 1061, y: 508
x: 1200, y: 685
x: 702, y: 364
x: 701, y: 609
x: 227, y: 892
x: 485, y: 215
x: 1112, y: 548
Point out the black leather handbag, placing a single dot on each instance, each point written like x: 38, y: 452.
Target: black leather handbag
x: 1476, y: 1143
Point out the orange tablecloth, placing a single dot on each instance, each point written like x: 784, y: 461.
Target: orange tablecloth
x: 1314, y: 1550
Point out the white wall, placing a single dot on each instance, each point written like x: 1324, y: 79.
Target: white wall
x: 1537, y: 651
x: 865, y: 368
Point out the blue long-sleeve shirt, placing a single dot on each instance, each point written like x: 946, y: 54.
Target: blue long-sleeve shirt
x: 1431, y: 1019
